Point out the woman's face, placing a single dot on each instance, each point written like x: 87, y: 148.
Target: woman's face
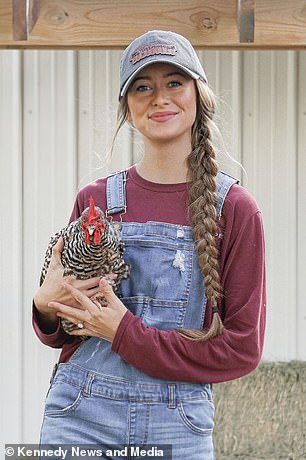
x: 162, y: 103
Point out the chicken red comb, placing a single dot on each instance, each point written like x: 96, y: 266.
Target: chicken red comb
x: 92, y: 213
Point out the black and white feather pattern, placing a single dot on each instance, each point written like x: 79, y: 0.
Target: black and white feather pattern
x: 86, y: 261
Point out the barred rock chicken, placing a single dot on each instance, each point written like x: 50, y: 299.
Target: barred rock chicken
x: 92, y: 248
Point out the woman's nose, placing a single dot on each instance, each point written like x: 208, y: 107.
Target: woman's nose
x: 160, y: 96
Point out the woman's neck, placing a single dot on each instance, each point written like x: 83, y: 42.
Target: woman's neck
x: 165, y: 163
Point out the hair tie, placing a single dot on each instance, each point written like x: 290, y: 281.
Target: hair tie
x: 215, y: 309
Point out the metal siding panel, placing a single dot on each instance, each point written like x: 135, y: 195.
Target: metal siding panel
x: 223, y: 69
x: 85, y: 115
x: 269, y: 155
x: 49, y: 189
x: 229, y: 115
x: 284, y: 212
x: 98, y: 99
x: 301, y: 207
x: 12, y: 314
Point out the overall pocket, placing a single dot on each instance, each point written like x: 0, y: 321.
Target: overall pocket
x: 164, y: 315
x: 62, y: 399
x: 159, y: 284
x: 198, y: 414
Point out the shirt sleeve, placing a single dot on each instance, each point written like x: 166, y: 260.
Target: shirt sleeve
x: 237, y: 352
x: 54, y: 339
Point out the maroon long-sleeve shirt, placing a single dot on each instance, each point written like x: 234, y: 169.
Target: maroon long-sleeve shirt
x: 166, y: 354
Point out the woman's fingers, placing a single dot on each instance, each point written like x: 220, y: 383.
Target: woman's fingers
x: 84, y: 285
x: 107, y: 290
x: 71, y: 313
x: 96, y: 285
x: 81, y: 298
x: 57, y: 252
x: 99, y: 322
x: 86, y: 312
x: 88, y: 287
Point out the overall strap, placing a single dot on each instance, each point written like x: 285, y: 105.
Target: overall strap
x: 115, y: 193
x: 224, y: 183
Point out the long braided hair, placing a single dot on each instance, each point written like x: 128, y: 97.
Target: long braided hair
x: 202, y: 202
x: 202, y: 206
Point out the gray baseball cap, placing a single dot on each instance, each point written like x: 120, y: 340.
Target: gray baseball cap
x: 158, y: 46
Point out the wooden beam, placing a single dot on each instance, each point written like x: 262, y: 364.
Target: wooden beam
x: 246, y: 20
x: 111, y: 24
x: 25, y: 14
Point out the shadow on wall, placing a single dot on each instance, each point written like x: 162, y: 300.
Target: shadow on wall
x: 263, y: 416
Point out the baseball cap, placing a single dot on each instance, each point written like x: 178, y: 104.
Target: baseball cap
x: 158, y: 46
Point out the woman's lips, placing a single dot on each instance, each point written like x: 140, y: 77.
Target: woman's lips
x: 161, y: 117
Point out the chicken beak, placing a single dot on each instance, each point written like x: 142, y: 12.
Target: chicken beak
x: 91, y: 229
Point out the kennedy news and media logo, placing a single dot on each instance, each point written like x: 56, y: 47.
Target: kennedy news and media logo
x: 85, y: 452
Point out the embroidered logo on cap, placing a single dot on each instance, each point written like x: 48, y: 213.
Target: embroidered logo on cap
x: 151, y: 50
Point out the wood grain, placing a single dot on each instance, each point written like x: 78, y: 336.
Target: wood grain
x: 106, y: 24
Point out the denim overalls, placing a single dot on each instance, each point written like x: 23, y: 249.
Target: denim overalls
x: 97, y: 398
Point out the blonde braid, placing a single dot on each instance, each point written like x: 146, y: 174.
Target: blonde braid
x: 202, y: 205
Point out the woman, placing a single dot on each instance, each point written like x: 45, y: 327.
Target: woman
x: 192, y: 312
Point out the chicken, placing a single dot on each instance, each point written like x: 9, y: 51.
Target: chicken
x: 92, y: 248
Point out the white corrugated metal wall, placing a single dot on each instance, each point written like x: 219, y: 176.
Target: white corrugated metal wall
x: 57, y: 116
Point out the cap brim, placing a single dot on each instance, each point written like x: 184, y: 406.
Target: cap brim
x: 126, y: 85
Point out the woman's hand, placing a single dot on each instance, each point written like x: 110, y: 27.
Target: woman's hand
x: 52, y: 289
x: 97, y: 321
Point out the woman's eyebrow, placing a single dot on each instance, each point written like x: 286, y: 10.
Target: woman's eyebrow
x: 141, y: 78
x: 171, y: 74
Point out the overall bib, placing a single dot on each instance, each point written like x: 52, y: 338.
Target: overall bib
x: 98, y: 398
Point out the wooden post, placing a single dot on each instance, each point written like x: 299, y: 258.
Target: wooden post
x: 246, y: 20
x: 25, y: 14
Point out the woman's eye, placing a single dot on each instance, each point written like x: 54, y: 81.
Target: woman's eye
x: 174, y: 84
x: 142, y: 88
